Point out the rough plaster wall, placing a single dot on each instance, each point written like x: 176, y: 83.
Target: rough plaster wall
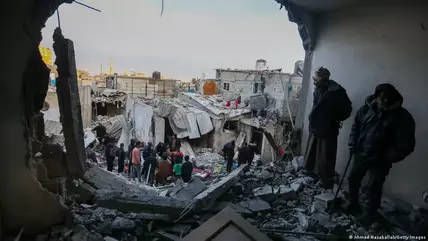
x: 267, y: 150
x: 370, y: 45
x: 247, y: 130
x: 53, y: 112
x: 23, y: 202
x: 86, y: 104
x: 220, y: 137
x: 159, y: 135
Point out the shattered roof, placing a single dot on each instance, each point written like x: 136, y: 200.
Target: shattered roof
x: 213, y: 104
x: 110, y: 96
x: 252, y: 70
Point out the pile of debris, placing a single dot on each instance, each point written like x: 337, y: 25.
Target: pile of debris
x: 278, y: 200
x: 113, y: 125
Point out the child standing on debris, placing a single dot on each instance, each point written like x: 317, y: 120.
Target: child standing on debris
x: 186, y: 169
x: 177, y: 167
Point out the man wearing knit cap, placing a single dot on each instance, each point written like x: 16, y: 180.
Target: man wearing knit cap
x: 331, y: 106
x: 383, y: 133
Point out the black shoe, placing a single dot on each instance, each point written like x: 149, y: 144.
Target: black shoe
x: 353, y: 208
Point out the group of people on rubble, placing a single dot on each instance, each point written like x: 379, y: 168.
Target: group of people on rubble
x: 243, y: 155
x: 157, y: 165
x: 161, y: 164
x: 382, y: 133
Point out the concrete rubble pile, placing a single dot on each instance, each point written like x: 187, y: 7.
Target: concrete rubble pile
x: 280, y: 201
x: 207, y: 160
x: 113, y: 125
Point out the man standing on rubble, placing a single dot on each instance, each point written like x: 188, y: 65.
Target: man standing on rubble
x: 228, y: 152
x: 383, y: 133
x: 331, y: 106
x: 101, y: 132
x: 152, y: 164
x: 244, y: 154
x: 120, y: 153
x: 130, y: 148
x: 136, y: 161
x: 109, y: 154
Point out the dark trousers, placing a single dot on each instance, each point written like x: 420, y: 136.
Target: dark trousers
x: 144, y: 171
x: 320, y: 158
x: 151, y: 174
x: 229, y: 165
x: 120, y: 165
x: 377, y: 174
x: 110, y: 164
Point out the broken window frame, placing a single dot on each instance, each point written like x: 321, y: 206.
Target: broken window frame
x: 226, y: 86
x: 230, y: 126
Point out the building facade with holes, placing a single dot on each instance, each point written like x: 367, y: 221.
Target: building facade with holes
x: 363, y: 44
x: 281, y: 87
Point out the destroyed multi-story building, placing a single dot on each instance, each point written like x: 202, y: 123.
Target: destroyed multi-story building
x: 44, y: 180
x: 282, y: 88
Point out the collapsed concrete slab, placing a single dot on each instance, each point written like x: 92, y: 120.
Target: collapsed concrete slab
x: 207, y: 198
x: 102, y: 179
x: 190, y: 190
x: 224, y: 226
x: 139, y: 202
x: 265, y: 193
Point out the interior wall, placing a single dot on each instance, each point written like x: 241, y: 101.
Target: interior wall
x: 366, y: 46
x: 23, y: 202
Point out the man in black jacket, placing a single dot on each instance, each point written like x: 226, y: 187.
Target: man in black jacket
x: 186, y: 169
x: 120, y: 154
x: 228, y: 153
x: 383, y: 133
x: 152, y: 164
x: 130, y: 148
x: 109, y: 154
x: 331, y: 106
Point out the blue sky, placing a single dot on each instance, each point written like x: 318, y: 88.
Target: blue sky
x: 192, y: 37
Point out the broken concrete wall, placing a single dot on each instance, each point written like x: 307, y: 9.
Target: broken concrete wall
x: 53, y: 112
x: 23, y: 201
x: 220, y: 136
x: 267, y: 152
x: 86, y: 104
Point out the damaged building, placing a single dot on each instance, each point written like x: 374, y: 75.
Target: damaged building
x: 49, y: 191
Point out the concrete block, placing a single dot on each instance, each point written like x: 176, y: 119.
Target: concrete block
x: 122, y: 224
x: 191, y: 190
x: 255, y: 205
x: 103, y: 179
x: 297, y: 163
x: 325, y: 198
x: 297, y: 186
x: 139, y: 202
x: 207, y: 198
x: 265, y: 193
x: 286, y: 193
x: 108, y: 238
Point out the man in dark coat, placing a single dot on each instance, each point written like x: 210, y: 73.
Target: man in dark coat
x: 109, y: 154
x: 245, y: 155
x: 152, y: 164
x: 161, y: 148
x: 147, y: 152
x: 228, y: 152
x: 331, y: 106
x: 120, y: 154
x: 129, y: 154
x: 101, y: 132
x: 383, y: 133
x: 187, y: 169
